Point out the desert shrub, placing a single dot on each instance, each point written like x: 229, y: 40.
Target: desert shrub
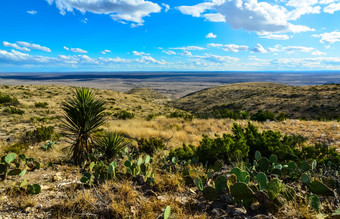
x: 13, y: 110
x: 281, y: 117
x: 124, y: 115
x: 183, y: 115
x: 41, y: 104
x: 231, y: 114
x: 186, y: 152
x: 262, y: 116
x: 17, y: 148
x: 322, y: 153
x: 40, y: 134
x: 150, y: 117
x: 7, y: 99
x: 149, y: 146
x: 109, y: 145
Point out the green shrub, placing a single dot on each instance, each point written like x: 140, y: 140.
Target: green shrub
x: 41, y: 134
x: 262, y: 116
x: 41, y: 104
x: 17, y: 148
x: 13, y: 110
x: 7, y: 99
x: 124, y: 115
x: 149, y: 146
x: 183, y: 115
x: 186, y: 152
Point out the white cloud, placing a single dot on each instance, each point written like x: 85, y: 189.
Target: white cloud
x: 318, y: 53
x: 210, y: 35
x: 76, y: 50
x: 332, y: 8
x: 15, y: 46
x: 329, y: 38
x: 215, y: 45
x: 33, y: 12
x: 118, y: 10
x: 276, y: 36
x: 34, y: 46
x: 259, y: 49
x: 218, y: 59
x: 149, y: 59
x: 291, y: 49
x: 189, y: 48
x: 166, y: 7
x: 140, y: 53
x: 235, y: 48
x: 105, y: 51
x: 217, y: 17
x: 302, y: 7
x: 169, y: 52
x: 250, y: 15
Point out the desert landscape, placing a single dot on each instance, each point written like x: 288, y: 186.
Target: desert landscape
x: 165, y: 137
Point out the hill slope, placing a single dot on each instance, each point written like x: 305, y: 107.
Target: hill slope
x: 309, y: 102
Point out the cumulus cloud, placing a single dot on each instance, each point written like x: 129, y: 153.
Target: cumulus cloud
x: 259, y: 49
x: 105, y: 51
x: 15, y: 46
x: 329, y: 38
x: 14, y: 57
x: 216, y: 17
x: 235, y: 48
x: 318, y: 53
x: 215, y: 45
x: 332, y: 8
x: 250, y: 15
x: 276, y: 36
x: 122, y: 10
x: 76, y: 50
x: 32, y: 12
x: 210, y: 35
x: 189, y: 48
x: 166, y: 7
x: 291, y: 49
x: 169, y: 52
x: 140, y: 53
x: 34, y: 46
x: 313, y: 63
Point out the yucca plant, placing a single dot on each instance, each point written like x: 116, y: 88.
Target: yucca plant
x: 110, y: 144
x: 83, y: 114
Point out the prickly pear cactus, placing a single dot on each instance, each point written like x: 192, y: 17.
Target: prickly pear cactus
x: 242, y: 176
x: 218, y: 165
x: 314, y: 202
x: 304, y: 166
x: 274, y: 188
x: 319, y: 188
x: 167, y: 212
x: 209, y: 193
x: 257, y: 155
x: 305, y: 178
x: 241, y: 191
x: 273, y: 158
x: 264, y: 164
x: 262, y: 181
x: 221, y: 184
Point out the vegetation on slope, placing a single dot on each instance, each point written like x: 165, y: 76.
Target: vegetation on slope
x: 241, y: 100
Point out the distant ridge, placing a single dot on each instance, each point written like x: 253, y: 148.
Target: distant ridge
x: 306, y: 102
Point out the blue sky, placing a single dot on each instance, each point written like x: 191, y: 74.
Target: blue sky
x: 169, y: 35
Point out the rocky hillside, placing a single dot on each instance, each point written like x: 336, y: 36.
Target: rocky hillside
x: 306, y: 102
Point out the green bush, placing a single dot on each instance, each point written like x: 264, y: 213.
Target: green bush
x: 124, y: 115
x: 182, y: 115
x: 262, y: 116
x: 149, y: 146
x: 17, y: 148
x: 186, y: 152
x: 41, y: 104
x: 13, y: 110
x: 41, y: 134
x: 7, y: 99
